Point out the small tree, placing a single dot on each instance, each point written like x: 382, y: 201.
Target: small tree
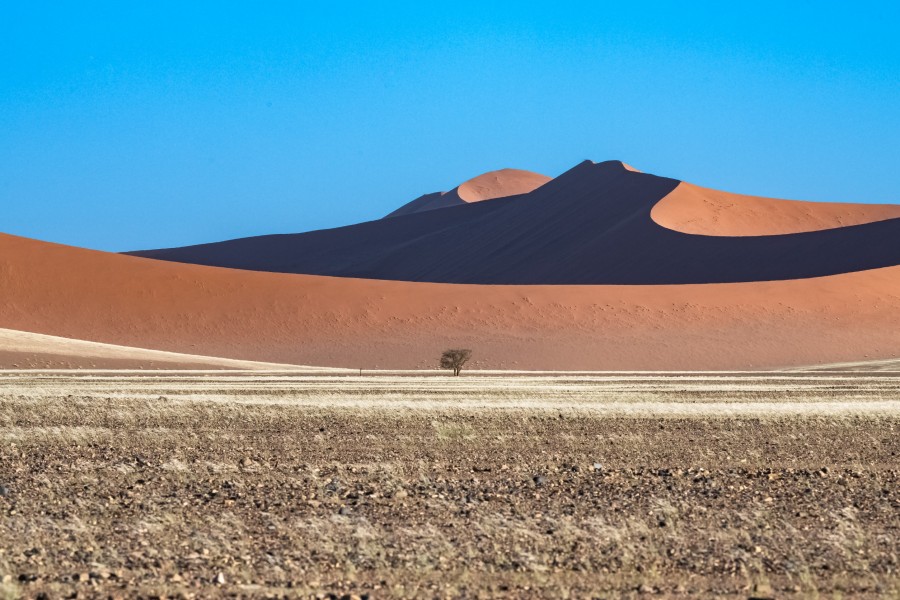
x: 455, y: 359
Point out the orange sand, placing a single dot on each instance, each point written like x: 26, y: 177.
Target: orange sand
x: 500, y: 184
x: 76, y: 293
x: 702, y: 211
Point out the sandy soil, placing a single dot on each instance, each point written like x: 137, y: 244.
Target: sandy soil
x: 702, y: 211
x: 279, y: 485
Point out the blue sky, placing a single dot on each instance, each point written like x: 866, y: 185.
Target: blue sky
x: 139, y: 125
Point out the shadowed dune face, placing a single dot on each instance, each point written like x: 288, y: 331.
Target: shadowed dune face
x: 592, y: 225
x: 75, y: 293
x: 701, y: 211
x: 490, y: 185
x: 427, y: 202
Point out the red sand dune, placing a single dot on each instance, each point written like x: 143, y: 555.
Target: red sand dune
x: 702, y: 211
x: 488, y: 186
x: 311, y: 320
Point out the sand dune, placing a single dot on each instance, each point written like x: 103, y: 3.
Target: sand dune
x: 488, y: 186
x: 25, y: 350
x: 701, y: 211
x: 592, y: 225
x: 76, y: 293
x: 679, y: 279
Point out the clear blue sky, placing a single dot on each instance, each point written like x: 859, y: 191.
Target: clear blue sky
x: 127, y: 125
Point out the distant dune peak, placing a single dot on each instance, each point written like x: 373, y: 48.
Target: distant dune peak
x: 487, y: 186
x: 500, y: 184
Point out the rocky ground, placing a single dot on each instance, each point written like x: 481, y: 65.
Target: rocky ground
x: 186, y: 487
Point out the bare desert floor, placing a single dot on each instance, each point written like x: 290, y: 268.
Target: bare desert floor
x: 292, y: 484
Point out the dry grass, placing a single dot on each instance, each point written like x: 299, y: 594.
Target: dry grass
x: 533, y: 486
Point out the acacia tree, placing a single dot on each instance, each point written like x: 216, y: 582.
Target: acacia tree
x: 455, y: 359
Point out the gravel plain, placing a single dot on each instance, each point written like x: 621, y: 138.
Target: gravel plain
x: 270, y: 485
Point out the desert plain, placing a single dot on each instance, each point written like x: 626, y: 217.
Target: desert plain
x: 287, y: 484
x: 674, y: 392
x: 246, y: 248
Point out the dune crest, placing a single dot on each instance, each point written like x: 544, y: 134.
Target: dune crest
x: 697, y: 210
